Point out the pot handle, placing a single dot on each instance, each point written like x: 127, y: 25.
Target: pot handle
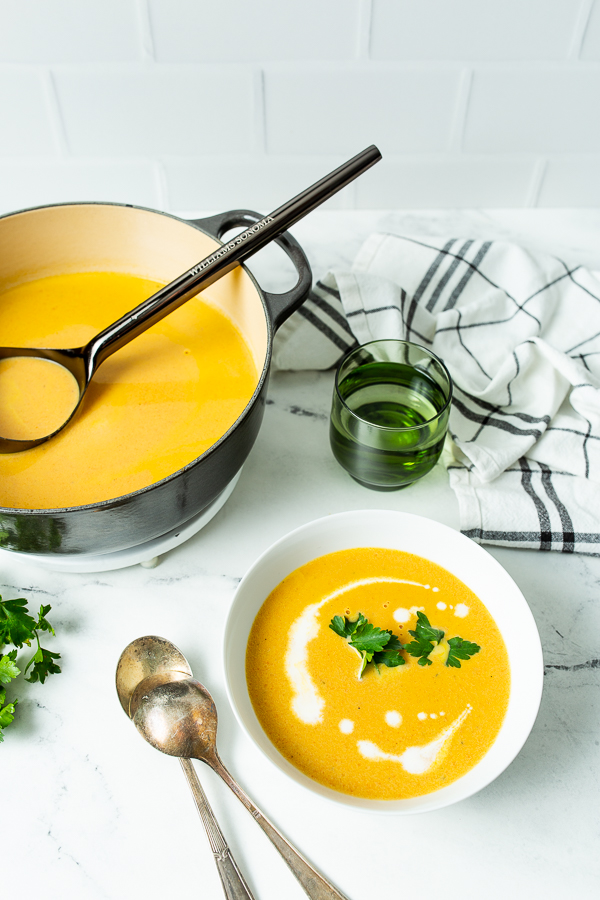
x: 279, y: 306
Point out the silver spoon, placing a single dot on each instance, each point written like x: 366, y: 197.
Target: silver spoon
x: 144, y: 657
x: 180, y: 718
x: 144, y: 664
x: 82, y: 362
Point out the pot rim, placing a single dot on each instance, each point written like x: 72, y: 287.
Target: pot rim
x: 123, y: 498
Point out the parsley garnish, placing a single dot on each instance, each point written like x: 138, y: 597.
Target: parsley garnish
x: 426, y: 638
x: 382, y: 647
x: 17, y: 627
x: 460, y: 649
x: 373, y: 644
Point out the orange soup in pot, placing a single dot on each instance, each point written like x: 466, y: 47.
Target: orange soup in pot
x: 36, y: 397
x: 152, y: 408
x: 385, y: 733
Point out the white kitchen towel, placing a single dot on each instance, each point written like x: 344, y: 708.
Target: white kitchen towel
x: 520, y: 334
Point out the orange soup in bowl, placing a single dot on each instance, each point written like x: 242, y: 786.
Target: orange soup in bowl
x: 364, y: 726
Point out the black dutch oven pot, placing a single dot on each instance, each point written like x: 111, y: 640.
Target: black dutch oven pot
x: 122, y: 238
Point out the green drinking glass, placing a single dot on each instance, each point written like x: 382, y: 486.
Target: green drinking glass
x: 389, y: 415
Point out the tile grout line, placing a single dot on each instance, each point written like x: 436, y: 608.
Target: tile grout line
x: 461, y: 108
x: 535, y: 185
x: 364, y: 25
x: 260, y: 113
x: 581, y: 25
x: 146, y: 34
x: 162, y: 184
x: 55, y: 113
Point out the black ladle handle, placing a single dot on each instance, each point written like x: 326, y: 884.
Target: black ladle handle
x: 221, y: 261
x: 279, y: 306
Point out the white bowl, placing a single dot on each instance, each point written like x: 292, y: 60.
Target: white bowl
x: 423, y: 537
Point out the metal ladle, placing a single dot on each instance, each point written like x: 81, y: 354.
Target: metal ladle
x: 179, y: 718
x: 82, y: 362
x: 144, y: 664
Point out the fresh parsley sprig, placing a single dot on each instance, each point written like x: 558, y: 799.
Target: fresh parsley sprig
x: 460, y: 649
x: 382, y: 647
x: 373, y: 644
x: 427, y: 638
x: 19, y: 628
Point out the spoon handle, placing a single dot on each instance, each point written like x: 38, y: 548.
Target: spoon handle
x: 316, y: 886
x: 233, y: 882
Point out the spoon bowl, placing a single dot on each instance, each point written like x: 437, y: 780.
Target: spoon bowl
x: 178, y: 718
x: 146, y: 657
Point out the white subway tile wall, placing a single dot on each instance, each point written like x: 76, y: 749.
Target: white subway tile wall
x: 189, y: 104
x: 136, y: 111
x: 590, y: 50
x: 342, y: 108
x: 257, y: 31
x: 542, y: 109
x: 69, y: 31
x: 472, y: 29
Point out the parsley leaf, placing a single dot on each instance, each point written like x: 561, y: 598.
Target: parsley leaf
x: 390, y: 656
x: 338, y: 624
x: 346, y: 627
x: 17, y: 627
x: 369, y: 639
x: 43, y: 665
x: 42, y: 623
x: 8, y: 667
x: 460, y: 649
x: 424, y: 636
x: 374, y: 644
x: 7, y: 713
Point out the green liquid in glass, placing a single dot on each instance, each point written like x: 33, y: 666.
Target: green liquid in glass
x: 389, y: 396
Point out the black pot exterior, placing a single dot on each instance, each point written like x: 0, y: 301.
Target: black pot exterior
x: 153, y: 511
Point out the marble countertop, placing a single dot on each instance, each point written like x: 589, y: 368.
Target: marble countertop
x: 91, y: 811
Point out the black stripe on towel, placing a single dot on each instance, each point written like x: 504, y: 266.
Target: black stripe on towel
x: 329, y: 310
x: 580, y: 286
x: 329, y: 290
x: 467, y: 276
x: 565, y: 518
x: 484, y: 404
x: 495, y: 423
x: 486, y: 278
x: 542, y: 512
x: 481, y: 534
x: 458, y: 258
x: 422, y: 287
x: 325, y: 329
x: 393, y: 308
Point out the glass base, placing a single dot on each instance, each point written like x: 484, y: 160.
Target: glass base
x: 381, y: 487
